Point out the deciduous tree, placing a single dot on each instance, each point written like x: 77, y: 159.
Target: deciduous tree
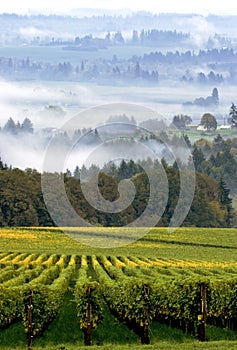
x: 209, y: 121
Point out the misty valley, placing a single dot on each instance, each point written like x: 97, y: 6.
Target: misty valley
x: 174, y: 82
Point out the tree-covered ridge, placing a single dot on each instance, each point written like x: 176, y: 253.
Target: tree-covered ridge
x: 149, y: 68
x: 22, y: 203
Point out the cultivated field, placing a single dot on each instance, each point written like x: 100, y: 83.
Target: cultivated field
x: 167, y: 289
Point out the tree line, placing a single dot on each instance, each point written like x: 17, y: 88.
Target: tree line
x: 22, y: 203
x: 145, y: 68
x: 14, y: 128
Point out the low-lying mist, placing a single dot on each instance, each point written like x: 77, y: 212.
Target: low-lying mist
x: 50, y: 104
x: 28, y: 150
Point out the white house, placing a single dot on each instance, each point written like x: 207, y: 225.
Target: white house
x: 201, y: 128
x: 220, y: 127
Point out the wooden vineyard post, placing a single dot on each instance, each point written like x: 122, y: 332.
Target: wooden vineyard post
x: 87, y: 331
x: 146, y: 338
x: 203, y: 316
x: 30, y: 320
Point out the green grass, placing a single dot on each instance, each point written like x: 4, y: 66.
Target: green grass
x: 13, y: 337
x: 195, y: 135
x: 111, y: 331
x: 163, y: 345
x: 64, y: 333
x: 184, y: 243
x: 65, y: 328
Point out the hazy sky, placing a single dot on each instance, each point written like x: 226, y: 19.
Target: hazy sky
x: 182, y: 6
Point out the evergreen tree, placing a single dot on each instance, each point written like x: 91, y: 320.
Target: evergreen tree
x: 10, y: 126
x: 3, y: 166
x: 135, y: 38
x: 215, y: 96
x: 76, y: 173
x: 68, y: 173
x: 233, y: 115
x: 123, y: 172
x: 218, y: 143
x: 225, y: 201
x: 27, y: 126
x: 187, y: 140
x: 198, y: 158
x: 111, y: 169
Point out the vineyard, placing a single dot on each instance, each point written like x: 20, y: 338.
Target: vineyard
x: 137, y: 291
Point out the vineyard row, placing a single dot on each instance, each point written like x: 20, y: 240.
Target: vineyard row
x: 136, y: 290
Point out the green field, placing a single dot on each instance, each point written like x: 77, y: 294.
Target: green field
x: 58, y: 270
x: 184, y: 243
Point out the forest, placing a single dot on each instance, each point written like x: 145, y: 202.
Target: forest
x: 22, y: 201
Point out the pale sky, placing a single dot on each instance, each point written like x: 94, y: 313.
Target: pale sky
x: 158, y: 6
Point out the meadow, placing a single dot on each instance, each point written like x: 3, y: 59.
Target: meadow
x: 147, y: 290
x: 184, y: 243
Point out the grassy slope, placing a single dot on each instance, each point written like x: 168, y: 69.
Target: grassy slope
x: 184, y: 243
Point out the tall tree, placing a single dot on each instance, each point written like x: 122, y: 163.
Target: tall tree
x: 198, y: 158
x: 187, y: 140
x: 215, y: 96
x: 218, y: 143
x: 135, y: 38
x: 225, y: 201
x: 76, y: 172
x: 233, y: 115
x: 10, y: 126
x: 27, y: 126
